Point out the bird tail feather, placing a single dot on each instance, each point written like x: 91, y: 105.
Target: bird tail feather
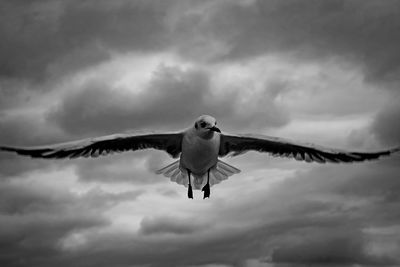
x: 220, y: 172
x: 173, y: 172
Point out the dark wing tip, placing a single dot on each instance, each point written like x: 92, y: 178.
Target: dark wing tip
x: 394, y: 150
x: 34, y: 153
x: 94, y: 147
x: 5, y: 148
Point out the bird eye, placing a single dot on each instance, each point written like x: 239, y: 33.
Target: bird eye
x: 203, y: 124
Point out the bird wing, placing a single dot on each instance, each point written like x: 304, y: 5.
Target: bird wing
x: 169, y: 142
x: 238, y: 144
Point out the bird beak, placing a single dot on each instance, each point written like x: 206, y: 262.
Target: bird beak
x: 215, y: 129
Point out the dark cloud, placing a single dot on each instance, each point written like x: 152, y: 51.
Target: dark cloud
x: 386, y: 126
x: 357, y: 196
x: 171, y: 225
x: 24, y: 199
x: 172, y: 93
x: 324, y: 215
x: 43, y: 38
x: 26, y: 130
x: 319, y: 216
x: 34, y: 221
x: 138, y: 168
x: 12, y: 166
x: 103, y: 200
x: 323, y: 246
x: 169, y: 193
x: 314, y: 217
x: 359, y: 31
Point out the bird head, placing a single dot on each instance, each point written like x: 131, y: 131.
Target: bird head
x: 206, y: 124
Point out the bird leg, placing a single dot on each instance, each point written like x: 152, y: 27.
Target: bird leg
x: 190, y: 191
x: 206, y: 188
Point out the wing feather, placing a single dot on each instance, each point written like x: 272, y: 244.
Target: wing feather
x: 169, y: 142
x: 238, y: 144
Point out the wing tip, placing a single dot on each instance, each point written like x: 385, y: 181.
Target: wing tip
x: 7, y: 148
x: 394, y: 150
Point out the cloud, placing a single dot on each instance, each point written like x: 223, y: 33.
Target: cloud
x: 37, y: 220
x: 323, y: 246
x: 359, y: 31
x: 43, y: 38
x: 138, y: 168
x: 172, y: 93
x: 315, y: 216
x: 312, y: 70
x: 352, y: 194
x: 171, y: 225
x: 385, y: 124
x: 25, y: 130
x: 59, y: 37
x: 34, y: 221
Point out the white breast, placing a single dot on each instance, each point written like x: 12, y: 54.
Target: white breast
x: 199, y: 154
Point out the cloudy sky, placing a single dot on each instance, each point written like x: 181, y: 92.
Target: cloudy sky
x: 326, y: 72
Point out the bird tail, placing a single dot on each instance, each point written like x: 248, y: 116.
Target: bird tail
x: 222, y: 171
x: 173, y: 172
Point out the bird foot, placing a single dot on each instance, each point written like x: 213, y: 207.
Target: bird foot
x: 190, y: 192
x: 206, y: 190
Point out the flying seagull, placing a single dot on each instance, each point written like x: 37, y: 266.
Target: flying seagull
x: 198, y: 148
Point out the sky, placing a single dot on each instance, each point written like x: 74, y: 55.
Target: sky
x: 325, y: 72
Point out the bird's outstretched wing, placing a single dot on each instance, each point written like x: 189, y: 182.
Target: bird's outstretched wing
x: 238, y: 144
x: 169, y: 142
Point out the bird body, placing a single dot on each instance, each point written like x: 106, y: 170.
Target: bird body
x: 199, y: 152
x: 199, y: 148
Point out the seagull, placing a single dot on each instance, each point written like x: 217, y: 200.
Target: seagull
x: 198, y: 148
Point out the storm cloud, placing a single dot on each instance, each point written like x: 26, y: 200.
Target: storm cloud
x: 46, y: 38
x: 325, y: 72
x: 171, y: 93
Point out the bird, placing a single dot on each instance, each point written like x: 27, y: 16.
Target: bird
x: 199, y: 149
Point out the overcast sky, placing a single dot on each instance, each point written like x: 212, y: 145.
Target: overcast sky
x: 325, y: 72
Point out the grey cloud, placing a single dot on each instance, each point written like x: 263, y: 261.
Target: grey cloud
x: 42, y: 37
x: 26, y: 200
x: 360, y: 31
x: 169, y: 193
x: 59, y: 36
x: 323, y: 246
x: 375, y: 184
x: 34, y: 221
x: 135, y: 167
x: 171, y: 225
x: 182, y: 249
x: 26, y: 130
x: 314, y: 217
x: 366, y: 199
x: 318, y: 216
x: 309, y: 218
x: 386, y: 124
x: 174, y: 98
x: 131, y: 168
x: 298, y: 220
x: 12, y: 166
x: 103, y: 200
